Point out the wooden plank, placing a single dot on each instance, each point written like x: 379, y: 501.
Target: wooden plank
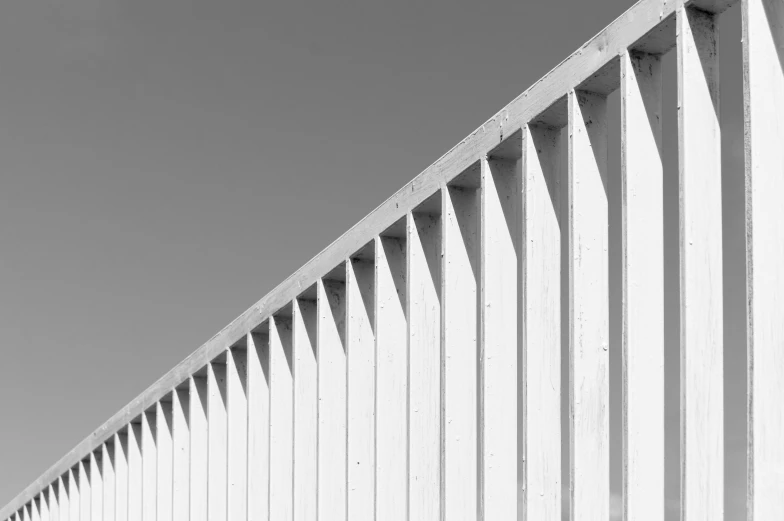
x: 642, y: 287
x: 199, y: 448
x: 109, y: 481
x: 135, y: 472
x: 181, y: 448
x: 361, y: 391
x: 281, y: 420
x: 629, y: 28
x: 52, y: 503
x: 236, y: 382
x: 85, y: 491
x: 120, y: 476
x: 149, y: 465
x: 589, y: 392
x: 541, y: 386
x: 424, y: 345
x: 43, y: 504
x: 74, y: 499
x: 26, y: 512
x: 63, y: 497
x: 702, y: 418
x: 217, y: 432
x: 163, y: 441
x: 96, y: 487
x: 499, y: 341
x: 304, y: 321
x: 331, y: 302
x: 258, y: 425
x: 763, y: 55
x: 391, y: 379
x: 460, y: 331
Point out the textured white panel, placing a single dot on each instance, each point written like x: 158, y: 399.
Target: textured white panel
x: 702, y: 414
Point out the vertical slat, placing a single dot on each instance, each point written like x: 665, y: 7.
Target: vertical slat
x: 109, y: 481
x: 149, y: 465
x: 53, y: 503
x: 258, y: 425
x: 589, y: 390
x: 305, y: 409
x: 35, y: 513
x: 120, y: 476
x: 96, y: 486
x: 424, y: 341
x: 216, y: 440
x: 43, y: 504
x: 181, y: 454
x: 461, y: 244
x: 391, y: 380
x: 642, y: 321
x: 26, y: 512
x: 702, y: 422
x: 236, y: 375
x: 135, y: 475
x: 199, y: 448
x: 281, y: 421
x: 541, y: 422
x: 74, y: 499
x: 500, y: 207
x: 763, y: 56
x: 85, y: 491
x: 163, y: 439
x: 361, y: 389
x: 332, y: 401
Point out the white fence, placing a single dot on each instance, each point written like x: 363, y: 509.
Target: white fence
x: 412, y: 370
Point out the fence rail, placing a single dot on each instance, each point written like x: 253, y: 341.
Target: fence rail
x: 412, y: 370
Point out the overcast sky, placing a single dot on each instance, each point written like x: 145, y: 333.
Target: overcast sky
x: 165, y: 163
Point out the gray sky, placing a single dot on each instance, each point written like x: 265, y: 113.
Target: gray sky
x: 164, y: 164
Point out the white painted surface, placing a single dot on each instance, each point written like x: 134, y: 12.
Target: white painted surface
x: 391, y: 380
x: 702, y: 418
x: 163, y: 441
x: 763, y: 49
x: 217, y: 442
x: 361, y: 390
x: 135, y: 478
x: 331, y: 401
x: 542, y: 433
x: 74, y: 499
x: 305, y: 321
x: 281, y: 421
x: 499, y: 340
x: 96, y: 488
x: 35, y: 514
x: 460, y: 330
x: 85, y: 491
x: 108, y: 477
x: 258, y: 425
x: 52, y: 502
x: 236, y: 378
x: 180, y: 454
x: 120, y: 477
x: 589, y: 391
x: 43, y: 507
x: 424, y: 347
x: 43, y: 504
x: 642, y: 287
x: 149, y: 466
x: 198, y: 448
